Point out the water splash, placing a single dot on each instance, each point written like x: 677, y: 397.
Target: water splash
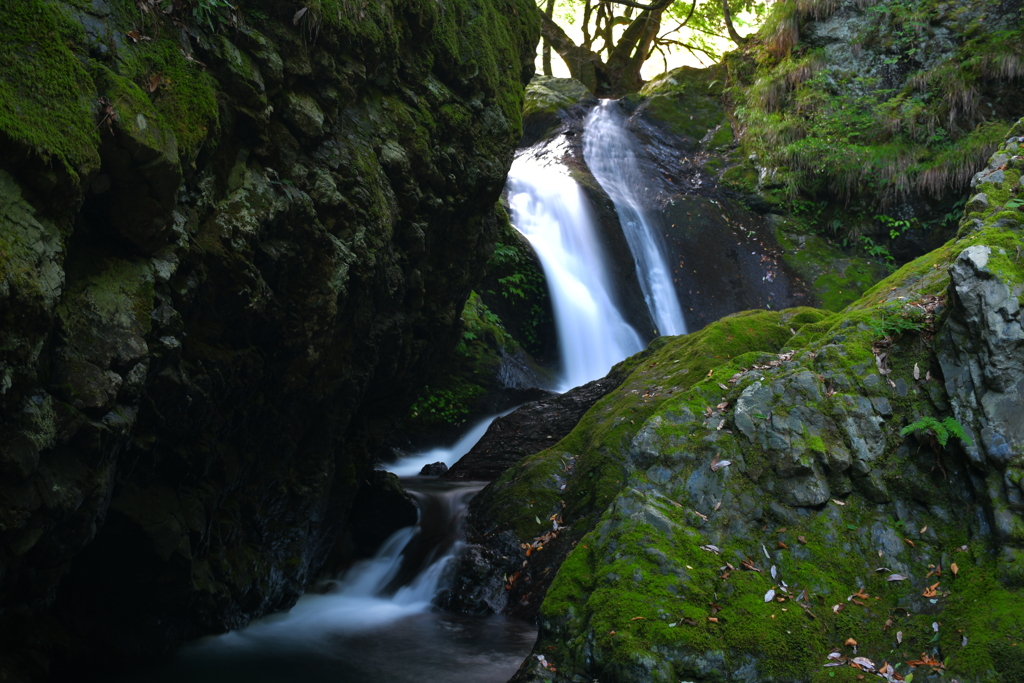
x: 549, y: 209
x: 609, y: 150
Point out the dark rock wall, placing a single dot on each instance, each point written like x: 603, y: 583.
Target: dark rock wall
x: 228, y: 251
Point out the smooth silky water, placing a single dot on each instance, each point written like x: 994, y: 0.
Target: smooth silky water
x: 375, y: 623
x: 610, y: 152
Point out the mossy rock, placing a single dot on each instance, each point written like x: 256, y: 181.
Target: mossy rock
x: 546, y: 97
x: 686, y: 101
x: 704, y: 554
x: 836, y: 277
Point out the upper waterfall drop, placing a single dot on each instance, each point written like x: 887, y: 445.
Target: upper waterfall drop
x: 549, y: 209
x: 608, y: 149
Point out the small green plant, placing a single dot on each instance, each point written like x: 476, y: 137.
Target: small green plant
x: 940, y: 429
x: 1015, y: 203
x: 897, y: 226
x: 895, y: 320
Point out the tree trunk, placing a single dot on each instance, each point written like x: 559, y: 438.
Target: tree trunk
x: 585, y: 66
x: 546, y: 53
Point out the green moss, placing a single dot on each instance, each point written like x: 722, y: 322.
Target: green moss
x: 46, y: 96
x: 186, y: 97
x: 837, y: 278
x: 834, y: 130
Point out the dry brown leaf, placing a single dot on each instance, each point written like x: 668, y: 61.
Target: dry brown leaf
x: 953, y: 568
x: 802, y: 539
x: 909, y: 542
x: 637, y: 618
x: 783, y: 546
x: 850, y: 642
x: 713, y: 620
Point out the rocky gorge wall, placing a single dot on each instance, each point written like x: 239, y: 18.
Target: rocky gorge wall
x: 796, y: 495
x: 232, y: 241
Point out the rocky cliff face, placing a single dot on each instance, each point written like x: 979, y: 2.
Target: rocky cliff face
x: 231, y: 241
x: 797, y: 496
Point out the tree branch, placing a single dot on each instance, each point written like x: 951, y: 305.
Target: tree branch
x: 727, y: 15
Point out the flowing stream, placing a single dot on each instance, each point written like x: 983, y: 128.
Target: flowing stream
x: 375, y: 622
x: 610, y: 152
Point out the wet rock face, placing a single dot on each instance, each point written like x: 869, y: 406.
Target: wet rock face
x: 214, y: 306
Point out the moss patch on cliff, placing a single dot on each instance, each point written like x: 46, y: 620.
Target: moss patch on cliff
x: 46, y: 101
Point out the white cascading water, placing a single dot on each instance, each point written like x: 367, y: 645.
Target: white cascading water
x: 549, y: 209
x: 609, y: 150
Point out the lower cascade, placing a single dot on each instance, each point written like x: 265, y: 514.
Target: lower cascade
x: 375, y: 622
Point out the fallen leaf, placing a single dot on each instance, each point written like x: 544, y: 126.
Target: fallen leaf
x: 899, y: 637
x: 953, y: 568
x: 838, y: 502
x: 850, y: 642
x: 917, y: 372
x: 722, y: 464
x: 924, y: 529
x: 864, y: 662
x: 155, y: 81
x: 689, y: 622
x: 783, y: 546
x: 802, y: 539
x: 909, y: 542
x: 724, y: 388
x: 636, y: 618
x: 710, y: 372
x: 929, y: 592
x: 897, y: 577
x: 713, y: 620
x: 770, y: 595
x: 298, y: 16
x: 710, y: 548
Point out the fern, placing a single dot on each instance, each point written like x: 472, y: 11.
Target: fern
x: 947, y: 427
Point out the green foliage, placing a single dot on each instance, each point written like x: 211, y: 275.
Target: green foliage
x: 894, y: 320
x: 830, y: 131
x: 947, y: 427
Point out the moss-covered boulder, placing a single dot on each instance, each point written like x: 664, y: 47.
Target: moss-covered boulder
x: 547, y: 98
x: 688, y: 103
x: 753, y: 506
x: 233, y: 242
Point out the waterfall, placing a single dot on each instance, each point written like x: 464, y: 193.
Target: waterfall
x: 609, y: 151
x: 549, y: 209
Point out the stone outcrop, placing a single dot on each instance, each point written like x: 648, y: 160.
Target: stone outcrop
x: 229, y: 251
x: 747, y: 502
